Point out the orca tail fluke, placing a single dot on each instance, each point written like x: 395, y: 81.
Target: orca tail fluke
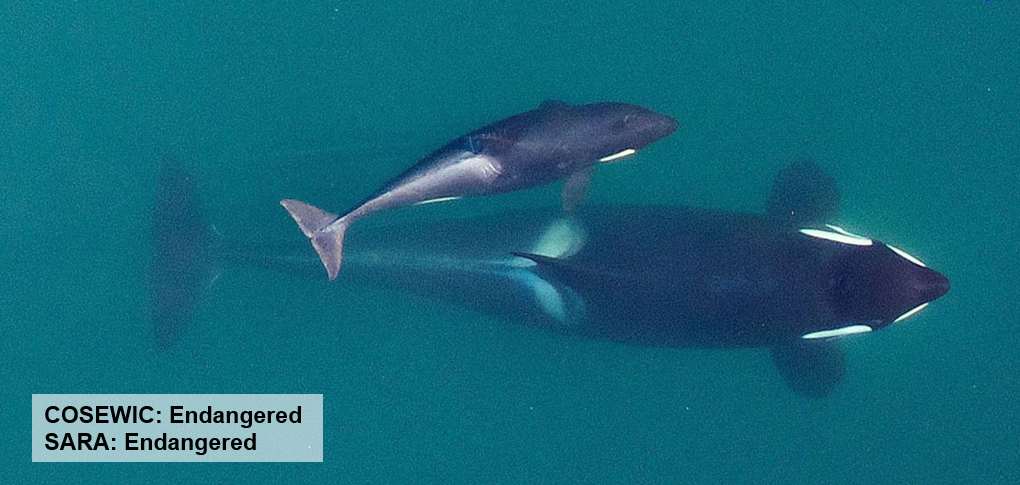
x: 325, y: 230
x: 184, y: 258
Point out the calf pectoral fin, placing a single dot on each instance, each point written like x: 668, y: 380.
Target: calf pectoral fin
x: 810, y: 368
x: 575, y: 188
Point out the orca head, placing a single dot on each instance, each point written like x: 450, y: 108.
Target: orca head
x: 625, y: 128
x: 873, y: 284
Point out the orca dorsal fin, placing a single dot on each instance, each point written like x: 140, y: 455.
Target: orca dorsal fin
x: 803, y: 194
x: 812, y: 368
x: 547, y: 261
x: 570, y: 272
x: 552, y: 104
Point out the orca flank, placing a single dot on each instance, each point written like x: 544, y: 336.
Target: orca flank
x: 788, y: 280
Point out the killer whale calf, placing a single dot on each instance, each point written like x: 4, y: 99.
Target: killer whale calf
x: 553, y: 142
x: 788, y: 279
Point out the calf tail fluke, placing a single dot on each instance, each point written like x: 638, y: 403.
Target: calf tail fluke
x: 325, y: 230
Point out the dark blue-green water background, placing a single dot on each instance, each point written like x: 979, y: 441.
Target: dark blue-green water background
x: 914, y: 107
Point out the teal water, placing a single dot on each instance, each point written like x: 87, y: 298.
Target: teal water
x: 914, y: 108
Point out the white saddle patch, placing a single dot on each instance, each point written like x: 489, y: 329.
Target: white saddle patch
x: 547, y: 296
x: 562, y: 239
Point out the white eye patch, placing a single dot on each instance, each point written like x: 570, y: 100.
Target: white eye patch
x: 910, y: 313
x: 618, y: 155
x: 905, y: 255
x: 433, y: 201
x: 837, y: 234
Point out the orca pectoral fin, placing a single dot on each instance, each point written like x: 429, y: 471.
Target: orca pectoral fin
x: 803, y: 194
x: 575, y: 188
x: 810, y: 368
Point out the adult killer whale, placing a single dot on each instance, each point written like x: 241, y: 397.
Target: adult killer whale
x: 645, y: 275
x: 529, y: 149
